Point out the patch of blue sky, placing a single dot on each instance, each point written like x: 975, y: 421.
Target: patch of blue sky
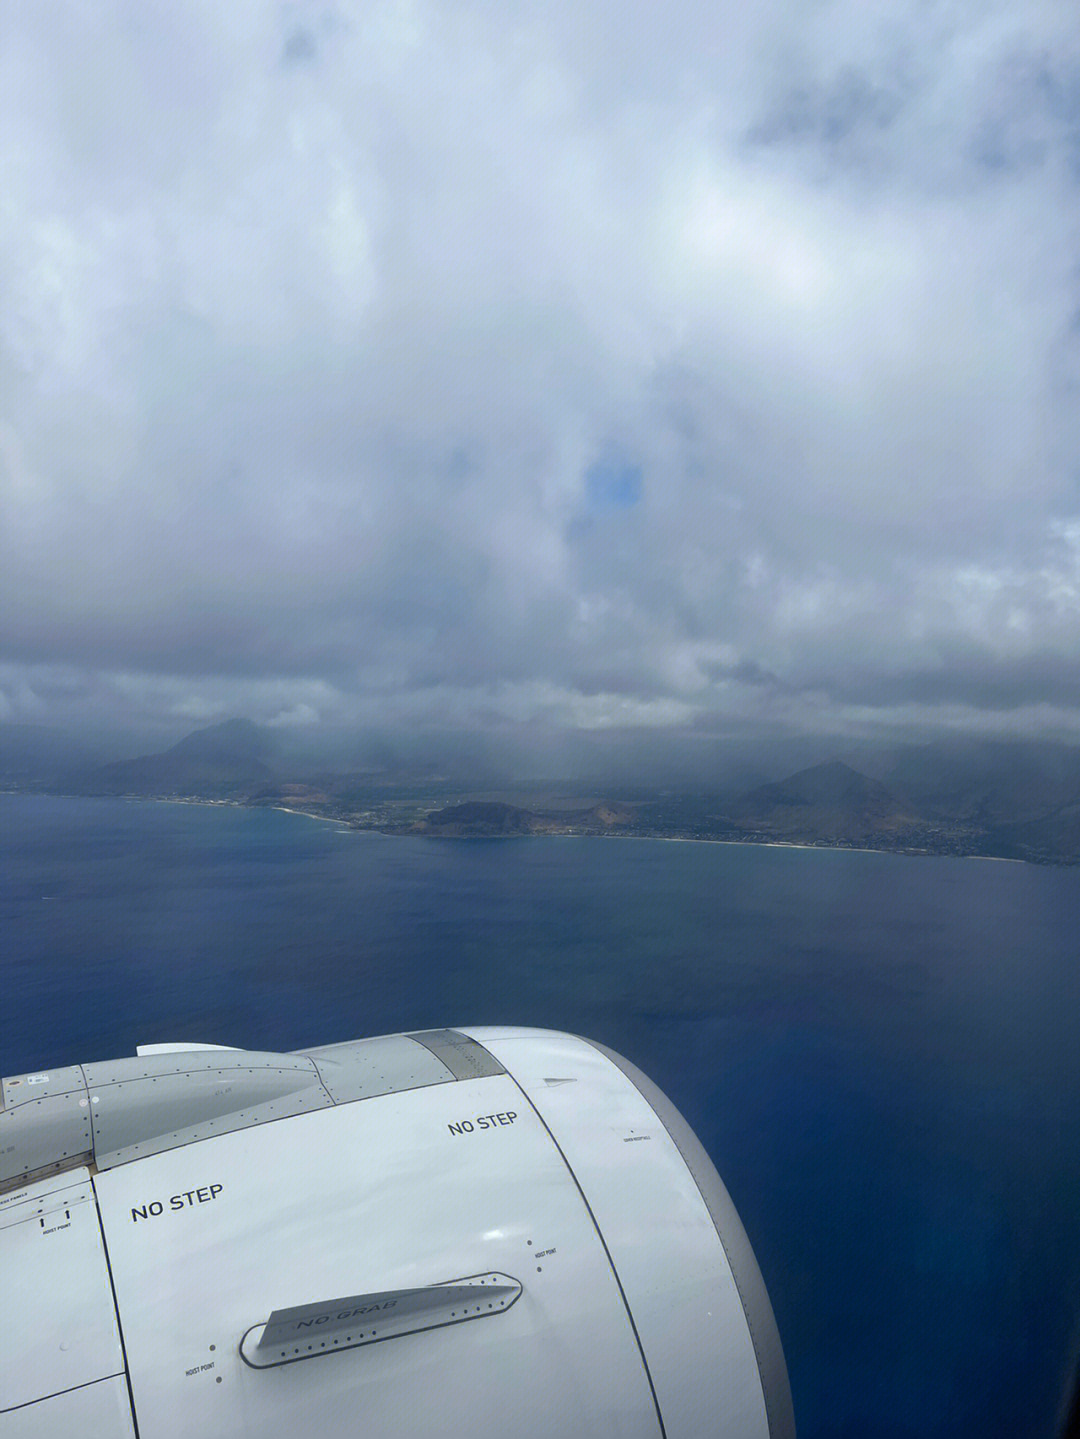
x: 613, y: 484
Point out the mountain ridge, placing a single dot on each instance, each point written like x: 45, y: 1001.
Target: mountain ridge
x: 225, y: 760
x: 1011, y: 799
x: 831, y: 800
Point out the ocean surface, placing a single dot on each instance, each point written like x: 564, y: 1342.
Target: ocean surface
x: 881, y: 1054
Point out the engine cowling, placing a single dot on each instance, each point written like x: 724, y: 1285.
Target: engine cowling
x: 443, y: 1233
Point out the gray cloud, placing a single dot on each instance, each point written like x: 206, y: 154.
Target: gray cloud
x: 300, y: 47
x: 574, y: 366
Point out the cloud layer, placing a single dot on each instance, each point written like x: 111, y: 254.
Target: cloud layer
x: 474, y: 364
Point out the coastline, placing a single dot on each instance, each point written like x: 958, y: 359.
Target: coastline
x: 756, y: 843
x: 652, y: 839
x: 307, y: 814
x: 344, y: 826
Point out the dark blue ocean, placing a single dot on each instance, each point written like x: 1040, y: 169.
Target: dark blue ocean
x: 880, y: 1053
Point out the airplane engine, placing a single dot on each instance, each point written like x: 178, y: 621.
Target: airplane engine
x: 447, y: 1233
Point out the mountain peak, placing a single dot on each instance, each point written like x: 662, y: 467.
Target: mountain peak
x: 828, y: 799
x: 222, y: 760
x: 230, y: 739
x: 829, y: 783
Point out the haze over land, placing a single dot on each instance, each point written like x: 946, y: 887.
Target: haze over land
x: 676, y: 395
x: 1019, y: 801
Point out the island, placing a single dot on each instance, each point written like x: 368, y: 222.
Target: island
x: 996, y: 801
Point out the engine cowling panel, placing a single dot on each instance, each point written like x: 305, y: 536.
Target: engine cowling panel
x: 352, y: 1203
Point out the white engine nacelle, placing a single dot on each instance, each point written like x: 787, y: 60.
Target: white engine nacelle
x: 447, y: 1233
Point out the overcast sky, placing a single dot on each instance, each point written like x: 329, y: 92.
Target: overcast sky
x: 568, y: 364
